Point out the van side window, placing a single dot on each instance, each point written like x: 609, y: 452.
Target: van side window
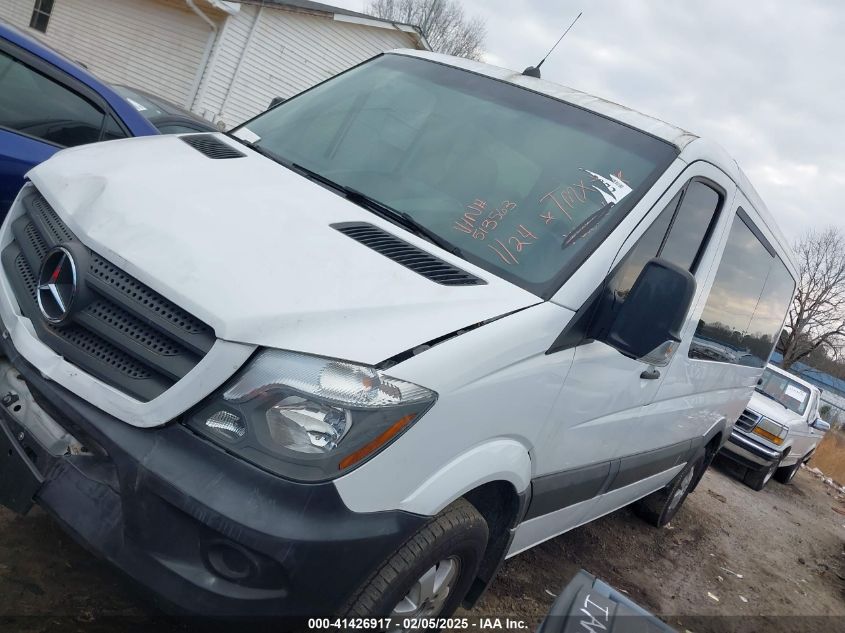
x: 767, y: 321
x: 745, y: 310
x: 688, y: 229
x: 645, y: 249
x: 692, y: 225
x: 679, y: 235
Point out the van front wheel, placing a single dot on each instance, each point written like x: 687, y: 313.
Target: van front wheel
x: 431, y: 573
x: 660, y: 507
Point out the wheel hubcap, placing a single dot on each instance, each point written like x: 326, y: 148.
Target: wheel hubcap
x: 681, y: 490
x: 428, y: 594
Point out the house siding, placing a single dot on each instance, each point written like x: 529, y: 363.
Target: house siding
x: 224, y: 62
x: 156, y: 45
x: 160, y: 45
x: 289, y: 52
x: 17, y: 12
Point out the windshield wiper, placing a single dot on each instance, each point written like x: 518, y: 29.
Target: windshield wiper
x: 361, y: 199
x: 400, y: 217
x: 379, y: 208
x: 313, y: 175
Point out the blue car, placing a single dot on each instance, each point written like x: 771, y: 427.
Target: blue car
x: 48, y: 103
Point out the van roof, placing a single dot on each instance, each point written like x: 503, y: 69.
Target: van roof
x: 691, y: 145
x: 791, y: 376
x: 678, y: 137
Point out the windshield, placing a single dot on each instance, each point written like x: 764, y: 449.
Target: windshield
x: 522, y: 184
x: 794, y: 396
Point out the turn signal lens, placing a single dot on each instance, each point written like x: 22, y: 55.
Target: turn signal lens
x: 769, y: 436
x: 381, y: 440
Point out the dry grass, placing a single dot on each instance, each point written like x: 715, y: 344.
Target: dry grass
x: 830, y: 456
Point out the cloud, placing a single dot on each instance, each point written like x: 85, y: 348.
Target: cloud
x: 763, y: 79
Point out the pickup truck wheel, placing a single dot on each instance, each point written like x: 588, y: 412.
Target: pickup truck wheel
x: 785, y: 474
x: 660, y: 507
x: 430, y: 574
x: 757, y: 479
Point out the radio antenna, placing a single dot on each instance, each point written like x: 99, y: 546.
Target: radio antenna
x: 534, y: 71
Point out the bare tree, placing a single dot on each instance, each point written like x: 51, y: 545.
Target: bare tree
x: 816, y: 321
x: 442, y: 22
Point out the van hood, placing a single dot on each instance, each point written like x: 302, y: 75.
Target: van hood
x: 773, y: 410
x: 246, y: 245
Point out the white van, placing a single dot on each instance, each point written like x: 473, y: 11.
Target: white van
x: 415, y: 320
x: 779, y: 430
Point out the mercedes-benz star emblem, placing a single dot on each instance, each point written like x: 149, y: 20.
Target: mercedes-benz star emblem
x: 57, y: 285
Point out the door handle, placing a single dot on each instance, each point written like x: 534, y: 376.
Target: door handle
x: 652, y: 373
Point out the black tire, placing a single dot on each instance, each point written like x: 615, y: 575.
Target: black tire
x: 785, y: 474
x: 660, y: 507
x: 709, y: 457
x: 757, y: 479
x: 459, y: 533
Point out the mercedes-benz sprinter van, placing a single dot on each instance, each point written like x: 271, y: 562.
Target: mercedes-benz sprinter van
x: 408, y: 323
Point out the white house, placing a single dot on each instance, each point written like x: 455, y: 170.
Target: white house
x: 225, y: 60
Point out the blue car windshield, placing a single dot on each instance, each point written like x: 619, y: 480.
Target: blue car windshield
x: 521, y: 184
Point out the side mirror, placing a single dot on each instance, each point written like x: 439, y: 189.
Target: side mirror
x: 276, y: 101
x: 821, y: 425
x: 647, y: 326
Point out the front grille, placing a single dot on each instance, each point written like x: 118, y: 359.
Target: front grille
x: 747, y: 420
x: 121, y: 331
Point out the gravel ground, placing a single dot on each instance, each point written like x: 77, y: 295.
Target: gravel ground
x: 785, y: 542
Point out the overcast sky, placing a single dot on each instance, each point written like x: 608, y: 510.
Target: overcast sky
x: 762, y: 78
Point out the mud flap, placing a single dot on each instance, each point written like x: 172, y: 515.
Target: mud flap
x: 19, y: 479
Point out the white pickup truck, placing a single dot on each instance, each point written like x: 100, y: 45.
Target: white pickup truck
x: 779, y: 430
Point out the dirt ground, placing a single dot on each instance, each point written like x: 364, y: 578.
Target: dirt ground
x: 787, y: 543
x: 777, y: 553
x: 830, y: 455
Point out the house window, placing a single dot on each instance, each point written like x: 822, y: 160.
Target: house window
x: 41, y: 15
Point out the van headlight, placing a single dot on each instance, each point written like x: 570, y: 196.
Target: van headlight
x: 309, y: 418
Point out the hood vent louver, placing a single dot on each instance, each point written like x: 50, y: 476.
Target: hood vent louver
x: 211, y: 146
x: 409, y: 256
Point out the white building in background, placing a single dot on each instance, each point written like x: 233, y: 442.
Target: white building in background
x: 225, y: 60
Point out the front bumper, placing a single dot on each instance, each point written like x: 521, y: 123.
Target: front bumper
x: 748, y: 452
x: 205, y: 532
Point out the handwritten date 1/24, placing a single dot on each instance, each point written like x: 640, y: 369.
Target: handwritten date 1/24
x: 513, y: 244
